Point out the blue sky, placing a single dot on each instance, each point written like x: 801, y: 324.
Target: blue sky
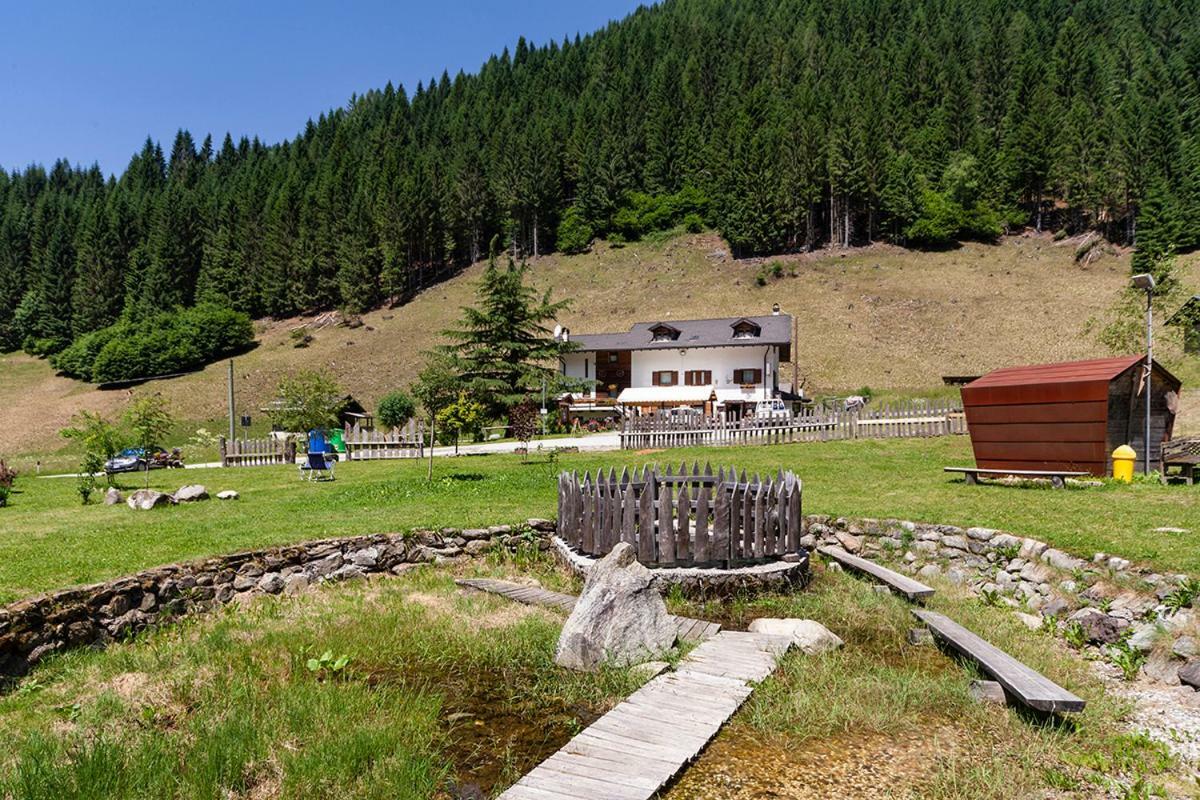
x: 89, y: 79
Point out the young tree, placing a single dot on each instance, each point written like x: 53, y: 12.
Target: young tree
x: 463, y: 417
x: 100, y: 441
x: 149, y: 421
x: 523, y: 421
x: 309, y: 400
x: 502, y: 348
x: 395, y: 409
x: 436, y: 388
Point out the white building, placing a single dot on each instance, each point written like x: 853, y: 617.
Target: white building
x: 713, y: 365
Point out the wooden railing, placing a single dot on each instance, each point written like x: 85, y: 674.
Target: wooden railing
x: 256, y: 452
x: 682, y: 519
x: 900, y: 420
x: 406, y: 442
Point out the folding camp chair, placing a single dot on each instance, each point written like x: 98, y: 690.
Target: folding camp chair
x: 316, y: 465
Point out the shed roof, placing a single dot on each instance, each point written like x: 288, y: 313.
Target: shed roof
x: 1099, y: 369
x: 774, y: 329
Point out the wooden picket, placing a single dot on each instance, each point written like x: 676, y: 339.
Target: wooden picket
x: 896, y: 420
x: 362, y: 444
x: 686, y: 518
x: 256, y: 452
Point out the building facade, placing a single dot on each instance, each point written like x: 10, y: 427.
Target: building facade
x: 714, y: 366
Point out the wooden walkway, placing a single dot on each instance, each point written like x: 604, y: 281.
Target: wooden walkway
x: 635, y: 749
x: 689, y: 630
x: 1030, y: 687
x: 902, y: 584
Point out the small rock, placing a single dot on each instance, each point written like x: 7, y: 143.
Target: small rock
x: 833, y: 566
x: 400, y: 569
x: 271, y: 583
x: 477, y: 547
x: 295, y: 583
x: 849, y: 542
x: 810, y: 636
x: 955, y: 542
x: 1099, y: 627
x: 349, y: 572
x: 367, y: 557
x: 957, y: 575
x: 929, y: 571
x: 1161, y: 668
x: 244, y: 583
x: 1189, y: 674
x: 1034, y: 623
x: 472, y: 534
x: 987, y: 692
x: 541, y: 525
x: 1186, y: 647
x: 146, y: 499
x: 1062, y: 561
x: 1055, y: 606
x: 910, y: 556
x: 191, y: 493
x: 1143, y: 636
x: 228, y: 494
x: 113, y: 496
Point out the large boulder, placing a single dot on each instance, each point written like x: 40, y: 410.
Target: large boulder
x: 620, y: 619
x: 113, y: 496
x: 191, y: 493
x: 809, y: 635
x: 146, y: 499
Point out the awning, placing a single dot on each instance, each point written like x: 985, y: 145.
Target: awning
x: 665, y: 395
x: 743, y: 395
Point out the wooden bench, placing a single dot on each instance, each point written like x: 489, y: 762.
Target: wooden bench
x: 1058, y: 478
x: 902, y: 584
x: 1184, y: 455
x: 1030, y: 687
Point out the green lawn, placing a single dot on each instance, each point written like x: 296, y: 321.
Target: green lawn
x: 47, y: 540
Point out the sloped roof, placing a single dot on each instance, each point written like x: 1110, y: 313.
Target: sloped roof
x: 1094, y: 370
x: 775, y: 329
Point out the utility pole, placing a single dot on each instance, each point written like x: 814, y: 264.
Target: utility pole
x: 1146, y: 283
x: 232, y: 430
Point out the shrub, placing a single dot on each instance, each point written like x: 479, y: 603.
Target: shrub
x: 395, y: 409
x: 161, y: 345
x: 693, y: 223
x: 310, y: 400
x: 8, y: 477
x: 574, y: 231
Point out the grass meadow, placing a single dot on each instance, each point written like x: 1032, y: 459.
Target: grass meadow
x: 445, y: 691
x: 48, y: 540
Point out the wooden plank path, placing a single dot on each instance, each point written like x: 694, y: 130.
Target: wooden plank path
x: 902, y: 584
x: 633, y: 750
x: 1027, y: 685
x: 688, y: 629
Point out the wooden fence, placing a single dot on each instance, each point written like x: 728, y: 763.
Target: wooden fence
x: 682, y: 519
x: 898, y: 420
x: 257, y: 452
x: 406, y: 442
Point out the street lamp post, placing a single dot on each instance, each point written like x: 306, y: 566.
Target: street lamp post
x: 1145, y: 282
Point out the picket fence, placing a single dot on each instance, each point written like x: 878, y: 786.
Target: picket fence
x: 894, y: 420
x: 256, y: 452
x: 682, y: 519
x: 363, y: 444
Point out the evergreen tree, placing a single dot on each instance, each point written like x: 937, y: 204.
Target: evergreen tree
x: 502, y: 349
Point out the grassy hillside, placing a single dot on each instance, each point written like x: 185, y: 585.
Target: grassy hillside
x: 892, y: 319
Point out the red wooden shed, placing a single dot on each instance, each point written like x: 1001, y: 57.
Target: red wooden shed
x: 1068, y: 416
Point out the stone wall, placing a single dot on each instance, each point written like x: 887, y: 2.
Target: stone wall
x: 1104, y: 602
x: 94, y: 615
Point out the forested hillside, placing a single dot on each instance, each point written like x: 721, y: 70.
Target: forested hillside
x: 784, y: 124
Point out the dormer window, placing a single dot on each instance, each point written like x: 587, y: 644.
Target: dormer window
x: 663, y: 333
x: 745, y: 329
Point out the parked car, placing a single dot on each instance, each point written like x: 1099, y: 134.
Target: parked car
x: 683, y: 413
x: 135, y: 459
x: 772, y: 409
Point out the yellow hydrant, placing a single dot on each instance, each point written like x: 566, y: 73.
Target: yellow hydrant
x: 1123, y: 459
